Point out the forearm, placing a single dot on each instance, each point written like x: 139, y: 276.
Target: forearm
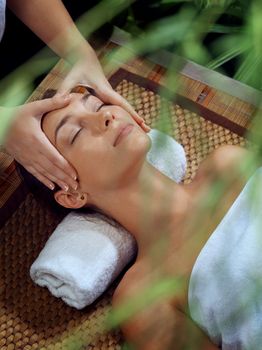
x: 50, y: 21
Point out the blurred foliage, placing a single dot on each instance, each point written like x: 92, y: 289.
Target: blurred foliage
x: 225, y: 35
x: 222, y: 34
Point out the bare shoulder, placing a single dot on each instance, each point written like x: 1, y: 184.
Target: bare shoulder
x: 224, y: 160
x: 226, y: 156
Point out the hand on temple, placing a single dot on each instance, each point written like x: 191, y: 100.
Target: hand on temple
x: 107, y: 94
x: 25, y: 140
x: 88, y: 71
x: 27, y: 143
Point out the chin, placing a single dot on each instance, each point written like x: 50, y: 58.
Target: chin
x: 133, y: 157
x: 138, y: 150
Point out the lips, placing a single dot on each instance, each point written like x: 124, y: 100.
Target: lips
x: 124, y: 131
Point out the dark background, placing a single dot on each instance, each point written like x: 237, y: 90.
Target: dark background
x: 19, y: 43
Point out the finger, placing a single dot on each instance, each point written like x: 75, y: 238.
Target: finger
x: 145, y: 127
x: 44, y: 180
x: 50, y: 104
x: 66, y: 86
x: 56, y: 174
x: 117, y: 99
x: 114, y: 98
x: 126, y: 105
x: 55, y: 164
x: 51, y: 177
x: 49, y: 158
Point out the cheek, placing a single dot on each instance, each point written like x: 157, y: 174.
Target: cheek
x: 137, y: 144
x: 101, y: 166
x: 94, y: 163
x: 121, y: 114
x: 131, y: 154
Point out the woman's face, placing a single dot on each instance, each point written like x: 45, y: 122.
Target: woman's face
x: 103, y: 142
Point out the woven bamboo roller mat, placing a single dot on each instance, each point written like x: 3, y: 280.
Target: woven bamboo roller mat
x: 9, y: 178
x: 30, y: 317
x: 198, y: 135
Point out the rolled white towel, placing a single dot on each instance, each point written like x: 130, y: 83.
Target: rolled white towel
x: 85, y: 253
x: 82, y: 257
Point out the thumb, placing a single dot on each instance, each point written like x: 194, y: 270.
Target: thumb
x: 66, y: 86
x: 114, y: 98
x: 49, y: 104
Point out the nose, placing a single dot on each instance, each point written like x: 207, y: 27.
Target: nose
x: 106, y: 118
x: 97, y: 122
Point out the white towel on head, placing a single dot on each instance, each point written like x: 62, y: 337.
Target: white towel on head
x: 85, y: 253
x: 225, y: 290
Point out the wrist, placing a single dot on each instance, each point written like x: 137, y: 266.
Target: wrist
x: 79, y: 52
x: 87, y: 62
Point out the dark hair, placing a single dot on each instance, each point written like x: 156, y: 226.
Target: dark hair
x: 46, y: 197
x: 40, y: 191
x: 49, y: 93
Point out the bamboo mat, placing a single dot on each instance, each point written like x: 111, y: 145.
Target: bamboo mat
x: 30, y: 317
x: 207, y: 101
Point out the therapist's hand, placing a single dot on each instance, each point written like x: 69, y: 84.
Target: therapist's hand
x: 27, y: 143
x: 89, y: 72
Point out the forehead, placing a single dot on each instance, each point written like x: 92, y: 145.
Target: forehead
x: 52, y: 117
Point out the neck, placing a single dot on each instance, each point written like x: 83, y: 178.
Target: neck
x: 145, y: 206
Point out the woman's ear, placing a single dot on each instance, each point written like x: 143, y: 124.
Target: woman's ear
x: 70, y: 200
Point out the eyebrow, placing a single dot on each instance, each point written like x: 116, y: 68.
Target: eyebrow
x: 65, y: 119
x: 62, y: 122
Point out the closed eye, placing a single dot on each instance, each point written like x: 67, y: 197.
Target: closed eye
x: 102, y: 105
x: 74, y: 138
x: 78, y: 132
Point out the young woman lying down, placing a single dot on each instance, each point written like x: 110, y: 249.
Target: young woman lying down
x: 170, y: 222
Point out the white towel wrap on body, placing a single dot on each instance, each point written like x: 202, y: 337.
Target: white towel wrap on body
x: 225, y: 290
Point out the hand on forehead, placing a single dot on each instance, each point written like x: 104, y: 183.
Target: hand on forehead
x: 83, y: 112
x: 81, y: 96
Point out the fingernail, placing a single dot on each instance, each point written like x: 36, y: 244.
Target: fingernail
x: 51, y: 186
x: 75, y: 187
x: 74, y: 177
x: 65, y: 187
